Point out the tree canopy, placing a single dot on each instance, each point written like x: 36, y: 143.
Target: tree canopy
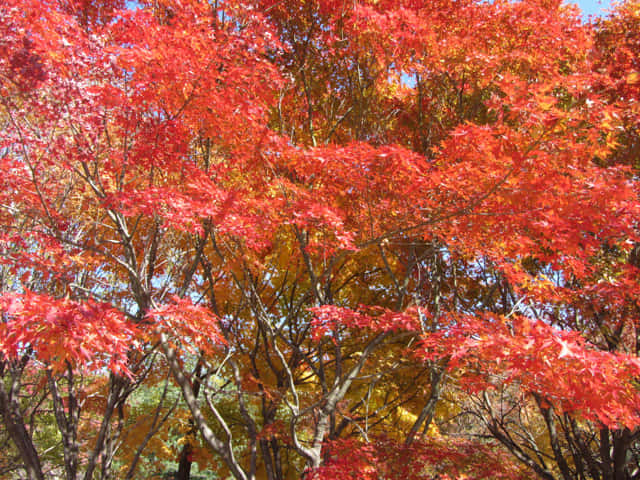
x: 328, y: 239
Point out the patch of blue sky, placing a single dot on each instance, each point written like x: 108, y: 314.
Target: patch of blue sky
x: 595, y: 8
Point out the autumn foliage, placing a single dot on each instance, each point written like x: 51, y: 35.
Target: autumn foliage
x: 261, y: 239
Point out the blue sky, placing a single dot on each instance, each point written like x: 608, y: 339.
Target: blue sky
x: 592, y: 7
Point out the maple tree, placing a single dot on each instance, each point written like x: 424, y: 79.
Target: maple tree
x: 276, y: 239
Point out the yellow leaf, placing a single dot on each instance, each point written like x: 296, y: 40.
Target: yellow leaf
x: 633, y: 78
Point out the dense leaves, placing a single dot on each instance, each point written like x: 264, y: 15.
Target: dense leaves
x: 278, y: 239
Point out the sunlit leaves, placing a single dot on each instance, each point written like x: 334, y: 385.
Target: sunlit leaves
x: 191, y: 326
x: 62, y: 332
x: 324, y: 213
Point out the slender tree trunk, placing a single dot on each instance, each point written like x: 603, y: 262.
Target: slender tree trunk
x: 15, y: 427
x: 184, y: 465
